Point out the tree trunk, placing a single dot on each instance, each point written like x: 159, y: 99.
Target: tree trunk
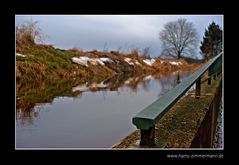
x: 179, y: 55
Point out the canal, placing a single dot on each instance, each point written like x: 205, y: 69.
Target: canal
x: 96, y: 115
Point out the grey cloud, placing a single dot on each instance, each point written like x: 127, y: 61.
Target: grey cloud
x: 92, y: 32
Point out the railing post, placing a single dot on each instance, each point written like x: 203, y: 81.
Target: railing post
x: 147, y: 137
x: 198, y: 87
x: 209, y: 81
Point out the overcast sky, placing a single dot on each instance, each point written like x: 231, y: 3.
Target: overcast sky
x: 89, y: 32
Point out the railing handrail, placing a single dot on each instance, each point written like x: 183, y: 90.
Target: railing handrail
x: 154, y: 112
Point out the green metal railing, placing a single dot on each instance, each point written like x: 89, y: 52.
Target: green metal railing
x: 147, y: 118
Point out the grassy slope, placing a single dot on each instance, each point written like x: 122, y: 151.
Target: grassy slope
x: 47, y: 63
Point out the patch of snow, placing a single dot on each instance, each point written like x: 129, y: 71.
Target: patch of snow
x: 21, y: 55
x: 104, y: 59
x: 100, y: 85
x: 82, y: 60
x: 149, y: 62
x: 94, y: 61
x: 100, y: 62
x: 137, y: 62
x: 81, y: 88
x: 175, y: 63
x: 129, y: 61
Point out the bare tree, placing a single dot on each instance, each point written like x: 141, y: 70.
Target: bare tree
x: 29, y: 32
x: 179, y: 38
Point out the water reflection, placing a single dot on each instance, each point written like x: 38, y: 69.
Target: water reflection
x: 94, y: 114
x: 170, y: 81
x: 30, y: 96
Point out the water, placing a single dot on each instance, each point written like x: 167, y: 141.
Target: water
x: 98, y: 117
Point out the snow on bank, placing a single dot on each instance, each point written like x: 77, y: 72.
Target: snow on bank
x: 100, y: 85
x: 149, y: 62
x: 82, y: 60
x: 175, y: 63
x: 81, y: 88
x: 137, y: 62
x: 94, y: 61
x: 21, y: 55
x: 131, y: 62
x: 105, y: 59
